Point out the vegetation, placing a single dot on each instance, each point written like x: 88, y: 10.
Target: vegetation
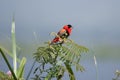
x: 55, y: 60
x: 52, y: 61
x: 15, y: 73
x: 117, y: 73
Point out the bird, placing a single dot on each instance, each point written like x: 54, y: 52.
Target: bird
x: 62, y: 34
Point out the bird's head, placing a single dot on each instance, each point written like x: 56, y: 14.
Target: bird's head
x: 69, y: 26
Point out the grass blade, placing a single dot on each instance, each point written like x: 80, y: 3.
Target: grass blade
x: 9, y: 53
x: 20, y: 70
x: 14, y: 46
x: 8, y: 64
x: 95, y: 61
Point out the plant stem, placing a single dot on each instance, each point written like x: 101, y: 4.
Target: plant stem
x: 14, y: 46
x: 30, y: 70
x: 96, y: 67
x: 9, y: 66
x: 70, y: 71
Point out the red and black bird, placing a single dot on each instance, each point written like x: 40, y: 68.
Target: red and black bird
x: 63, y: 33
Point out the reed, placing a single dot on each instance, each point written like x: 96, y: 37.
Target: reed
x: 14, y: 46
x: 95, y: 62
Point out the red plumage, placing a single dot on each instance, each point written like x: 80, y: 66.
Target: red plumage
x: 63, y: 33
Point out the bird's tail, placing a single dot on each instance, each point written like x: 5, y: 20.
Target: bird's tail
x: 56, y: 39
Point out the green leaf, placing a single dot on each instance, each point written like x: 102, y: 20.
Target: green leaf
x: 60, y: 57
x: 69, y: 69
x: 9, y: 53
x: 14, y: 46
x: 20, y: 70
x: 79, y: 67
x: 3, y: 76
x: 8, y: 64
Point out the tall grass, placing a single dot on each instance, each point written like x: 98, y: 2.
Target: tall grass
x: 95, y: 61
x: 14, y: 46
x: 16, y: 73
x: 8, y: 64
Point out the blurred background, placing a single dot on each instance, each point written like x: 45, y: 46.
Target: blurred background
x: 96, y: 25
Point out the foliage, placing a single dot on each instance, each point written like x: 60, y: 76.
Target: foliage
x: 14, y: 47
x: 117, y: 73
x: 20, y: 70
x: 55, y: 60
x: 4, y: 76
x: 8, y: 64
x: 16, y: 74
